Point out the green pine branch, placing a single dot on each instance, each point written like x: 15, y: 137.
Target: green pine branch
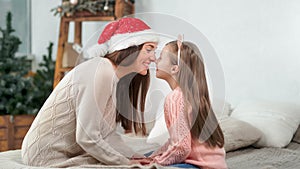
x: 19, y: 92
x: 9, y: 44
x: 92, y: 6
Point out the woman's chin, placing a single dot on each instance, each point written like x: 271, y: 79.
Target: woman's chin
x: 144, y: 72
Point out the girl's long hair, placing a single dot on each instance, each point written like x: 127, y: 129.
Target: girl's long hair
x: 192, y: 81
x: 131, y: 91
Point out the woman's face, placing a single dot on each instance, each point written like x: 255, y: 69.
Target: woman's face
x: 145, y: 57
x: 163, y: 64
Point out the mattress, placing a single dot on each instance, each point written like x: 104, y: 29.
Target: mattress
x: 247, y: 158
x: 12, y: 160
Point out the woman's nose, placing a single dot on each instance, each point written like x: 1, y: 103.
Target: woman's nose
x: 152, y: 58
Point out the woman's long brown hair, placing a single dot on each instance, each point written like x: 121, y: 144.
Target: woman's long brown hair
x: 192, y: 81
x: 131, y: 91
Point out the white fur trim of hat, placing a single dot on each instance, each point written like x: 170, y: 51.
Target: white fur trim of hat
x: 120, y: 35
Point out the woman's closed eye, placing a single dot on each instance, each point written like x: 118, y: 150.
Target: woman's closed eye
x: 150, y: 50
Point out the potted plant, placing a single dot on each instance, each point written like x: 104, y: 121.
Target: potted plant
x: 22, y: 93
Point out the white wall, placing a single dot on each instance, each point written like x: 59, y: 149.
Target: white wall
x: 256, y: 41
x: 44, y: 28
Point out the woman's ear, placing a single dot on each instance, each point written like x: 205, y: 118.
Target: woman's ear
x: 174, y: 69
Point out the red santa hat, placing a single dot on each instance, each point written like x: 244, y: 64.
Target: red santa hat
x: 121, y: 34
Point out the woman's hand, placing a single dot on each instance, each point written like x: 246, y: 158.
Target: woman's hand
x: 137, y: 156
x: 143, y: 161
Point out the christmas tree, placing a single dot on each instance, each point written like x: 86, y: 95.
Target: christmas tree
x: 43, y: 79
x: 14, y: 84
x: 21, y: 93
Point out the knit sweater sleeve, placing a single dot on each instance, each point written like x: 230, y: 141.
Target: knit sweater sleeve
x: 93, y: 93
x: 178, y: 147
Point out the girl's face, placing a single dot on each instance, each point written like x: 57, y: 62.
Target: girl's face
x: 163, y: 64
x: 145, y: 57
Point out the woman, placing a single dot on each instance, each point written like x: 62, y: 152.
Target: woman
x: 76, y: 124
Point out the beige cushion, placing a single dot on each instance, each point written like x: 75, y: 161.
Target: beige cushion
x: 238, y: 134
x: 297, y: 135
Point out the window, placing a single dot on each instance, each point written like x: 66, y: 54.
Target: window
x: 21, y: 21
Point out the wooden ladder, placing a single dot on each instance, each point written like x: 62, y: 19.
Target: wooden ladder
x: 78, y: 18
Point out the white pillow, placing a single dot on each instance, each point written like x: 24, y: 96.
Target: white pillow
x: 159, y: 133
x: 238, y: 134
x: 222, y: 109
x: 138, y: 144
x: 277, y: 121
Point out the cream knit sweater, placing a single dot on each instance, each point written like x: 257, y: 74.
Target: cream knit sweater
x: 74, y: 124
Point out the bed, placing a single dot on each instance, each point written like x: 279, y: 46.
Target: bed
x: 260, y: 135
x: 245, y: 158
x: 12, y: 160
x: 265, y: 158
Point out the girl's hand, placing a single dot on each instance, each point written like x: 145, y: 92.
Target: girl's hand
x: 134, y: 162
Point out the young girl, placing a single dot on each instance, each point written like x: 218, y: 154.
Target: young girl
x: 196, y: 139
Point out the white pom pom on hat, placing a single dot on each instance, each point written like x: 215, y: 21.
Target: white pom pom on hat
x: 121, y: 34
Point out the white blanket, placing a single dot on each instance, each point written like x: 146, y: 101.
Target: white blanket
x: 12, y: 160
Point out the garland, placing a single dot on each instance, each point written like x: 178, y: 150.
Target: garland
x: 70, y: 7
